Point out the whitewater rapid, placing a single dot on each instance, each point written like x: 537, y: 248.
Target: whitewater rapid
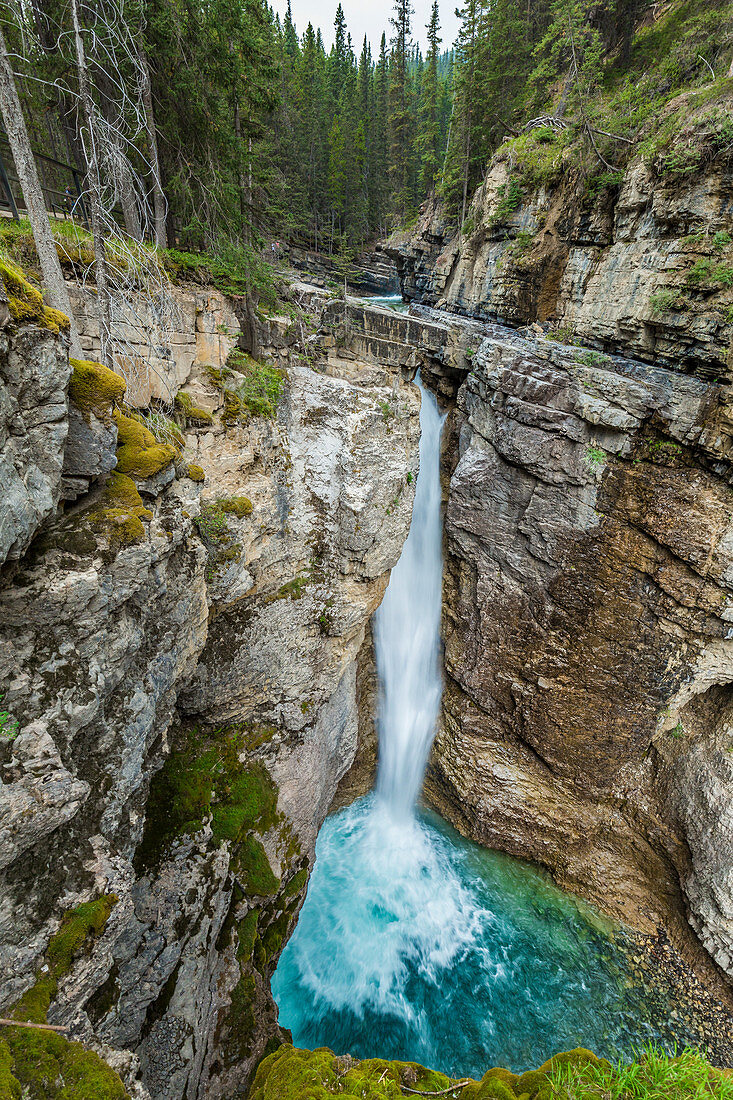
x: 412, y: 942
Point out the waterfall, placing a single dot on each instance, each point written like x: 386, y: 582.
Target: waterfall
x: 407, y: 634
x: 413, y: 943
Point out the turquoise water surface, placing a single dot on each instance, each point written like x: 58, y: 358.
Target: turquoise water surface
x: 416, y: 944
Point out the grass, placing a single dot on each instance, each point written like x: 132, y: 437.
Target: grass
x: 8, y: 725
x: 707, y: 272
x: 653, y: 1076
x: 595, y: 456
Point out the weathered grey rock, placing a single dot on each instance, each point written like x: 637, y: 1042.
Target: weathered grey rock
x: 34, y: 371
x: 587, y: 595
x: 89, y: 454
x: 615, y: 275
x: 101, y: 632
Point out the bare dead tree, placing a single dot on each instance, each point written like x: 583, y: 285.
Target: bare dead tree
x: 134, y: 303
x: 25, y: 164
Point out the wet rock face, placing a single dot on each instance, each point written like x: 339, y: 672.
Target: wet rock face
x: 589, y: 561
x: 632, y: 272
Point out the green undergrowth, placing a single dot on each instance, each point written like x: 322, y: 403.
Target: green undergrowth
x: 660, y: 101
x: 251, y: 388
x: 43, y: 1065
x: 290, y: 1074
x: 213, y: 526
x: 230, y: 267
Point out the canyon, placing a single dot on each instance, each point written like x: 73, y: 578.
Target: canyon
x: 186, y: 646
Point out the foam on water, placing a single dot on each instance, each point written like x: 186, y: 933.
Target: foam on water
x: 414, y: 943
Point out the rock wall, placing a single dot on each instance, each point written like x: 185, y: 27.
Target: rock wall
x: 588, y: 647
x: 34, y: 372
x: 179, y: 646
x: 642, y: 269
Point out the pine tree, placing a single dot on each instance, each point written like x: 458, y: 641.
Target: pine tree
x: 399, y: 120
x: 428, y: 140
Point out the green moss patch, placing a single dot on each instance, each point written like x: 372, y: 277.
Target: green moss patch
x: 120, y: 514
x: 77, y: 926
x: 190, y: 412
x: 254, y: 868
x: 139, y: 454
x: 41, y: 1065
x: 195, y: 473
x: 25, y: 301
x: 289, y: 1073
x: 95, y: 390
x: 204, y: 780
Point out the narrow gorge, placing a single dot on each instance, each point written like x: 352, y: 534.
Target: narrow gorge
x: 366, y: 557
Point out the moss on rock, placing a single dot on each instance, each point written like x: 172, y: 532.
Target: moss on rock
x: 79, y: 924
x: 204, y: 780
x: 185, y: 405
x: 120, y: 514
x: 95, y: 390
x: 42, y: 1065
x: 25, y: 301
x: 254, y: 868
x: 138, y: 453
x: 195, y: 473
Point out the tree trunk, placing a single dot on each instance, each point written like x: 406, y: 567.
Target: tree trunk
x: 159, y: 203
x: 53, y: 279
x: 100, y: 257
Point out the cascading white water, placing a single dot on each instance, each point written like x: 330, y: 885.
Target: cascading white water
x: 413, y: 943
x: 407, y: 634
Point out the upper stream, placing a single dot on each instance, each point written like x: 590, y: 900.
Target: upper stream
x: 414, y: 943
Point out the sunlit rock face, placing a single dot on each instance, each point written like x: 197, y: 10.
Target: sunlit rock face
x: 587, y: 606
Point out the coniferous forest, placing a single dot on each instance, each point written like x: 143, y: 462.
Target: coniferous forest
x: 243, y: 126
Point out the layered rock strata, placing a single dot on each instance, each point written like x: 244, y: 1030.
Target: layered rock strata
x: 642, y: 269
x: 588, y: 646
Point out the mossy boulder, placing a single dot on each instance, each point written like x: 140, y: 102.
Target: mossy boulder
x: 289, y: 1073
x: 119, y: 515
x: 195, y: 473
x: 95, y: 390
x: 139, y: 455
x: 42, y: 1065
x: 25, y: 301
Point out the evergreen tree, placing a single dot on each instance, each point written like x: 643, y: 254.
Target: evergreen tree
x: 428, y: 140
x: 399, y: 119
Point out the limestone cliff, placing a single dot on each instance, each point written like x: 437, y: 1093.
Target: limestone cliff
x: 588, y: 648
x: 636, y: 261
x: 179, y: 648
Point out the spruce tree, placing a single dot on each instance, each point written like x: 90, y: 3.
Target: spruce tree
x: 399, y: 118
x: 428, y: 139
